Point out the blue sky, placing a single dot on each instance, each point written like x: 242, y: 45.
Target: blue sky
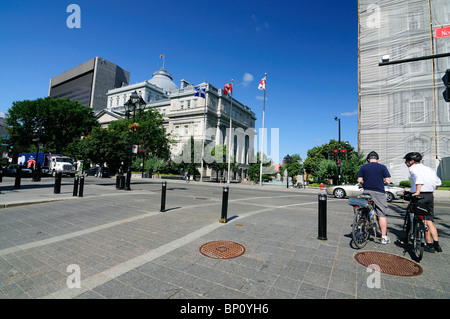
x: 307, y: 48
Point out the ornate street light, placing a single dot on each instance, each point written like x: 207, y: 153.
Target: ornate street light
x: 135, y: 102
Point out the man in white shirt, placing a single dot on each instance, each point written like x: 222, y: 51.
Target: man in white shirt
x: 424, y: 182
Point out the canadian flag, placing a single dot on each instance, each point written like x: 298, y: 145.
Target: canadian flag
x: 228, y: 89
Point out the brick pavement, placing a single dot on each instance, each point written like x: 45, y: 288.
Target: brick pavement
x: 124, y: 247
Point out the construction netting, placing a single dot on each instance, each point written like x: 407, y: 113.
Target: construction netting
x: 401, y: 106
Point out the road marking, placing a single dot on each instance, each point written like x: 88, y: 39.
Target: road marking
x: 122, y: 268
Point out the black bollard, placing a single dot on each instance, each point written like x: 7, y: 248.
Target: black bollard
x: 122, y: 182
x: 57, y: 188
x: 18, y: 177
x: 117, y: 182
x: 322, y: 216
x: 163, y: 196
x: 80, y: 193
x: 223, y: 217
x: 75, y: 185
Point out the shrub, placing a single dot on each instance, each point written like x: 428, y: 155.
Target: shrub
x: 405, y: 183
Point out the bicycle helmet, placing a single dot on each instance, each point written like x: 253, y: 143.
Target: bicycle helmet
x: 372, y: 155
x: 416, y: 157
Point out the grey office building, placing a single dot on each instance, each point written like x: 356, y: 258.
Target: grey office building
x: 89, y: 82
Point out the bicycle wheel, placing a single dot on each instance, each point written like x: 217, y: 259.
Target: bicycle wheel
x: 360, y: 229
x: 418, y: 239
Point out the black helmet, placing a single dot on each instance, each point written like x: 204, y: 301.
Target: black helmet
x: 416, y: 157
x: 372, y: 154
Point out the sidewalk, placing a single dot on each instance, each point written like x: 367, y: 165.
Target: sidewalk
x: 125, y: 247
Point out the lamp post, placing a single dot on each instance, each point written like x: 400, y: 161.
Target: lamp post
x: 134, y: 102
x: 287, y: 161
x: 339, y: 150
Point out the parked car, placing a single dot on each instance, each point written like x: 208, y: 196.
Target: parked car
x: 342, y: 191
x: 11, y: 170
x: 93, y: 171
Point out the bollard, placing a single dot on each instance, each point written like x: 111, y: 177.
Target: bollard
x: 80, y: 192
x: 18, y: 177
x: 163, y: 196
x: 223, y: 217
x: 117, y: 182
x: 122, y: 182
x: 57, y: 187
x: 75, y: 185
x: 322, y: 216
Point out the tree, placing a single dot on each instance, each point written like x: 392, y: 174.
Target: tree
x: 55, y: 123
x: 255, y: 168
x: 102, y: 145
x: 326, y: 169
x: 318, y: 153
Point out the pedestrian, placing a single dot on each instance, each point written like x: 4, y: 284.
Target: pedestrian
x: 121, y: 170
x: 100, y: 172
x: 424, y: 182
x: 373, y: 176
x: 185, y: 176
x: 188, y: 176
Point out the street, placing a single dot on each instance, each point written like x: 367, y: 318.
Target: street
x: 120, y: 245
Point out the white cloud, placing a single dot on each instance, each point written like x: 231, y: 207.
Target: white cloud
x: 355, y: 112
x: 247, y: 79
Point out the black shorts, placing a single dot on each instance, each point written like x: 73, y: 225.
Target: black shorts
x: 427, y: 202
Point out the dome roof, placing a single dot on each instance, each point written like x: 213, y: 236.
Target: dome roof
x: 163, y: 79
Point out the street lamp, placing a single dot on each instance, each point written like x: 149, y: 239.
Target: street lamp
x: 339, y: 150
x: 135, y: 102
x: 287, y: 160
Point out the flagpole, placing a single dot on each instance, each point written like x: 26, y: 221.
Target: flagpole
x: 229, y: 137
x: 204, y: 137
x: 261, y: 155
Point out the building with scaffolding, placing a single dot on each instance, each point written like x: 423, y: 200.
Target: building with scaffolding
x: 401, y: 107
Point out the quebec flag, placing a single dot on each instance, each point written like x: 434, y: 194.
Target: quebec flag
x: 199, y: 92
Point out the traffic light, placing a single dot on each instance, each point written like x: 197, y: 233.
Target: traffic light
x: 343, y: 153
x: 446, y: 80
x: 335, y: 151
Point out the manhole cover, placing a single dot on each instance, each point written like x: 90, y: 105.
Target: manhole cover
x: 389, y: 264
x: 222, y: 249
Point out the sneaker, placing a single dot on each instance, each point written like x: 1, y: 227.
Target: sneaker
x: 438, y: 249
x: 429, y: 249
x: 385, y: 240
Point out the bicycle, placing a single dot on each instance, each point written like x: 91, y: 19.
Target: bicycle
x: 415, y: 235
x: 365, y: 220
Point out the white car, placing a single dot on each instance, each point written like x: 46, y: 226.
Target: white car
x: 342, y: 191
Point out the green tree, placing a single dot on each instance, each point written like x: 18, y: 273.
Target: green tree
x: 318, y: 153
x: 326, y: 169
x: 53, y: 122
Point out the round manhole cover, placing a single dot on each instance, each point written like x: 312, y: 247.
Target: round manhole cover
x: 389, y: 264
x: 222, y: 249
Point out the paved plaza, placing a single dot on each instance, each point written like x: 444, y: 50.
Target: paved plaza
x: 113, y: 243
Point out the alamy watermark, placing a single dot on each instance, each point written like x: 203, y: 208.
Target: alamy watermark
x: 242, y: 148
x: 74, y: 279
x: 374, y: 279
x: 74, y: 19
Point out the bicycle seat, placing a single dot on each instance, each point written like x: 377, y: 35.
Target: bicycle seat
x: 365, y: 196
x: 418, y: 197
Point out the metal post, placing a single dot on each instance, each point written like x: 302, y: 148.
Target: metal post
x: 163, y: 196
x: 75, y: 185
x: 122, y: 182
x: 223, y: 217
x: 18, y: 176
x: 322, y: 216
x: 117, y: 182
x: 57, y: 187
x: 80, y: 193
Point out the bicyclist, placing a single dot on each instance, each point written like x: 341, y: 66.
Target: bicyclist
x: 424, y: 182
x: 374, y: 176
